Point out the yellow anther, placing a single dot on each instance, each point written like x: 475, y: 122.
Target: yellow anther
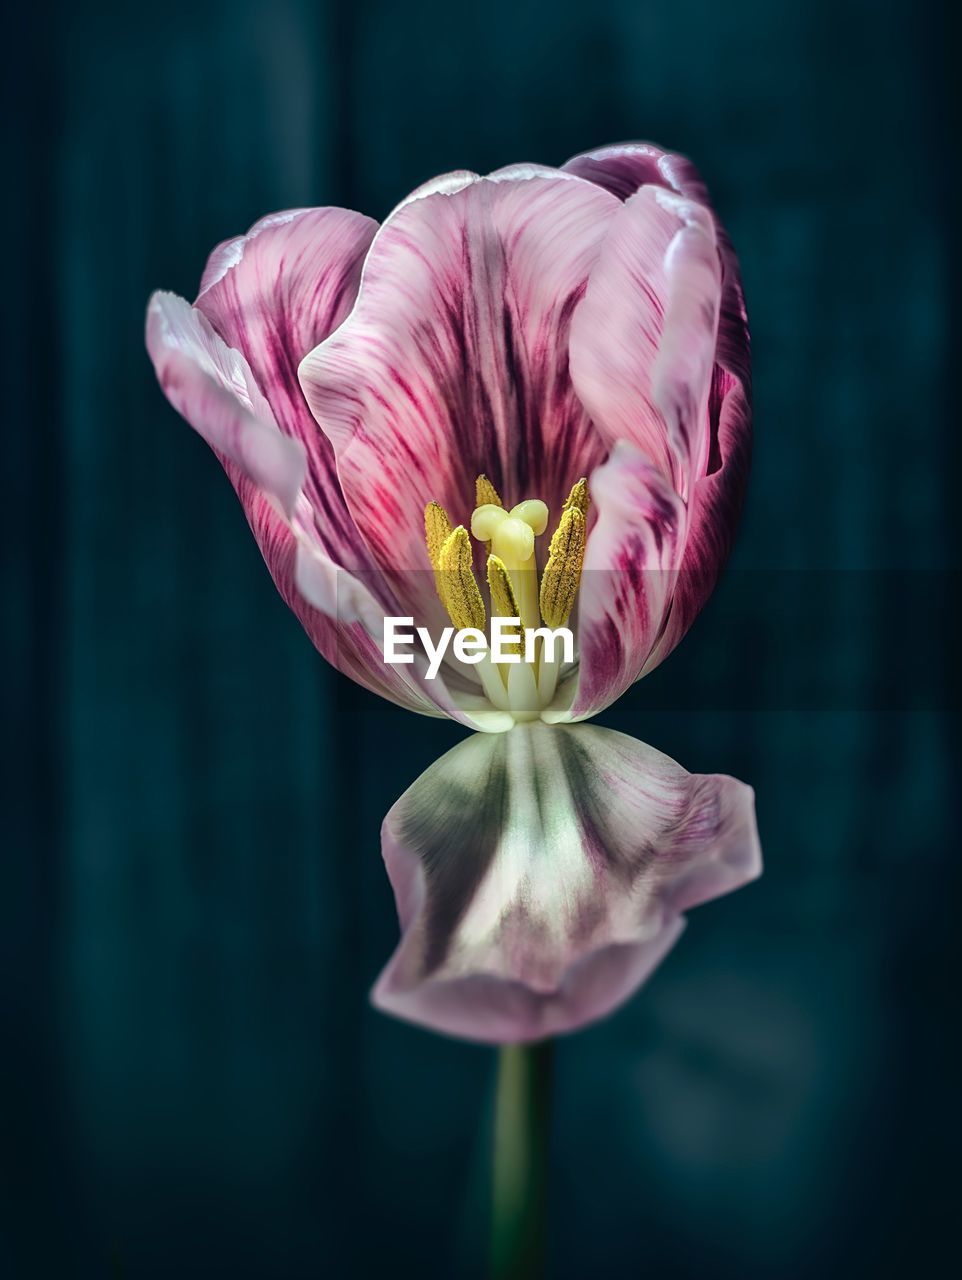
x: 485, y: 494
x: 485, y: 519
x: 503, y: 600
x: 437, y: 527
x: 578, y: 497
x: 457, y: 585
x: 562, y: 573
x: 533, y: 513
x: 513, y: 541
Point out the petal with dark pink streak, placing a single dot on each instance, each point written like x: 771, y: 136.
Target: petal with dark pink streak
x: 274, y: 294
x: 455, y: 359
x: 621, y: 170
x: 719, y: 494
x: 643, y: 340
x: 212, y: 386
x: 627, y: 584
x: 541, y: 875
x: 714, y: 512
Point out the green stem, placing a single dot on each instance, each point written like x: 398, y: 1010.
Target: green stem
x: 521, y: 1125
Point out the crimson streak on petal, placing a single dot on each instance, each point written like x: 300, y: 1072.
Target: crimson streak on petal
x: 454, y: 361
x: 274, y: 294
x: 716, y: 501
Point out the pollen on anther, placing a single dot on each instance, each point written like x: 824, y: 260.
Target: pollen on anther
x: 485, y: 494
x: 504, y: 602
x: 578, y: 497
x: 437, y: 528
x: 457, y: 584
x: 562, y: 573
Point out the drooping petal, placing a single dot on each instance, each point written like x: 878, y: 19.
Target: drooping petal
x: 627, y: 585
x: 454, y: 361
x: 716, y: 501
x: 213, y: 387
x: 274, y: 294
x: 540, y: 877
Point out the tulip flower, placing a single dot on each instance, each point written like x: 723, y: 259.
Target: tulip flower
x: 523, y: 395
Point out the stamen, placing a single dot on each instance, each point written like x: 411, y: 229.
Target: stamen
x: 458, y: 586
x: 524, y: 702
x: 578, y: 497
x: 562, y: 573
x: 437, y: 528
x: 485, y: 494
x: 547, y: 676
x: 522, y: 688
x: 504, y: 602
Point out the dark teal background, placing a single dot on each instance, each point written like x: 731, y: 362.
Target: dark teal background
x: 192, y: 905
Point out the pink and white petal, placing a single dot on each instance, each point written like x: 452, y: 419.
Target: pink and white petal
x: 643, y: 340
x: 444, y: 184
x: 713, y: 514
x: 345, y: 621
x: 627, y: 584
x: 274, y: 294
x: 455, y: 358
x: 212, y: 386
x: 334, y: 607
x: 577, y: 851
x: 332, y: 592
x: 718, y: 496
x: 625, y: 167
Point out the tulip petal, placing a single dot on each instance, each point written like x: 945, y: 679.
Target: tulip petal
x: 540, y: 876
x: 627, y: 585
x: 274, y: 294
x: 622, y: 170
x: 213, y: 387
x: 713, y: 512
x: 643, y: 340
x: 454, y: 361
x: 717, y: 498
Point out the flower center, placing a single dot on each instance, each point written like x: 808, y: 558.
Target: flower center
x: 525, y: 687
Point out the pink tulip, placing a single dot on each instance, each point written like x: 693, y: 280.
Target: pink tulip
x: 531, y: 327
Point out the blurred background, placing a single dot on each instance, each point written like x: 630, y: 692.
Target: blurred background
x: 192, y: 903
